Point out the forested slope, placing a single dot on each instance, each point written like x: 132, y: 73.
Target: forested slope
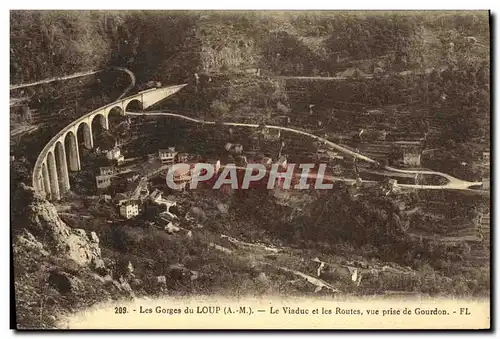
x: 50, y: 43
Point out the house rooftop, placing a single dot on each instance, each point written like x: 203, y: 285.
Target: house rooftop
x: 178, y: 171
x: 156, y: 193
x: 131, y: 202
x: 168, y: 149
x: 121, y: 196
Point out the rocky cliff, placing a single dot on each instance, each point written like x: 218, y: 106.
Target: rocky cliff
x: 42, y: 223
x: 57, y: 269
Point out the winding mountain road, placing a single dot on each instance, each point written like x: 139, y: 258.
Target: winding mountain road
x: 46, y: 81
x: 79, y: 75
x: 453, y: 183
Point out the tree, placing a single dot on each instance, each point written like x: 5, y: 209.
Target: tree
x: 219, y: 109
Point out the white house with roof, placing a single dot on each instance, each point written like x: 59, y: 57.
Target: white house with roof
x: 182, y: 157
x: 107, y: 170
x: 103, y: 181
x: 238, y: 148
x: 235, y: 148
x: 181, y: 177
x: 411, y: 157
x: 129, y: 209
x: 157, y: 197
x: 167, y: 155
x: 115, y: 154
x: 131, y: 176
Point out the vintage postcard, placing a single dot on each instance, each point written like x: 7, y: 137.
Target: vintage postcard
x: 250, y: 169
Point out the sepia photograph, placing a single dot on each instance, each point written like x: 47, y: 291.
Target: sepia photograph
x: 257, y: 169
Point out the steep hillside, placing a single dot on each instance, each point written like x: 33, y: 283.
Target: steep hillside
x: 56, y: 268
x: 45, y: 44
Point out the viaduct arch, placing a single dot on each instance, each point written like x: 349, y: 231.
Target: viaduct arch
x: 61, y: 154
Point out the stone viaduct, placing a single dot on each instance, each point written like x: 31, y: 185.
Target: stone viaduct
x: 61, y: 154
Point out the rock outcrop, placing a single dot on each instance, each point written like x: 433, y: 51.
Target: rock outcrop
x: 29, y: 241
x: 42, y: 222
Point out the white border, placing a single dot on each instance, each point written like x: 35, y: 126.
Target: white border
x: 213, y: 4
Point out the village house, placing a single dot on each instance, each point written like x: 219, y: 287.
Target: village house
x: 129, y: 209
x: 107, y: 170
x: 411, y: 151
x: 411, y: 157
x: 103, y: 181
x: 238, y: 148
x: 181, y: 178
x: 182, y: 157
x: 153, y: 84
x: 172, y: 228
x: 167, y: 217
x: 234, y: 148
x: 115, y: 154
x: 125, y: 181
x: 130, y: 176
x: 170, y: 222
x: 157, y: 197
x: 266, y: 161
x: 167, y: 156
x: 105, y: 198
